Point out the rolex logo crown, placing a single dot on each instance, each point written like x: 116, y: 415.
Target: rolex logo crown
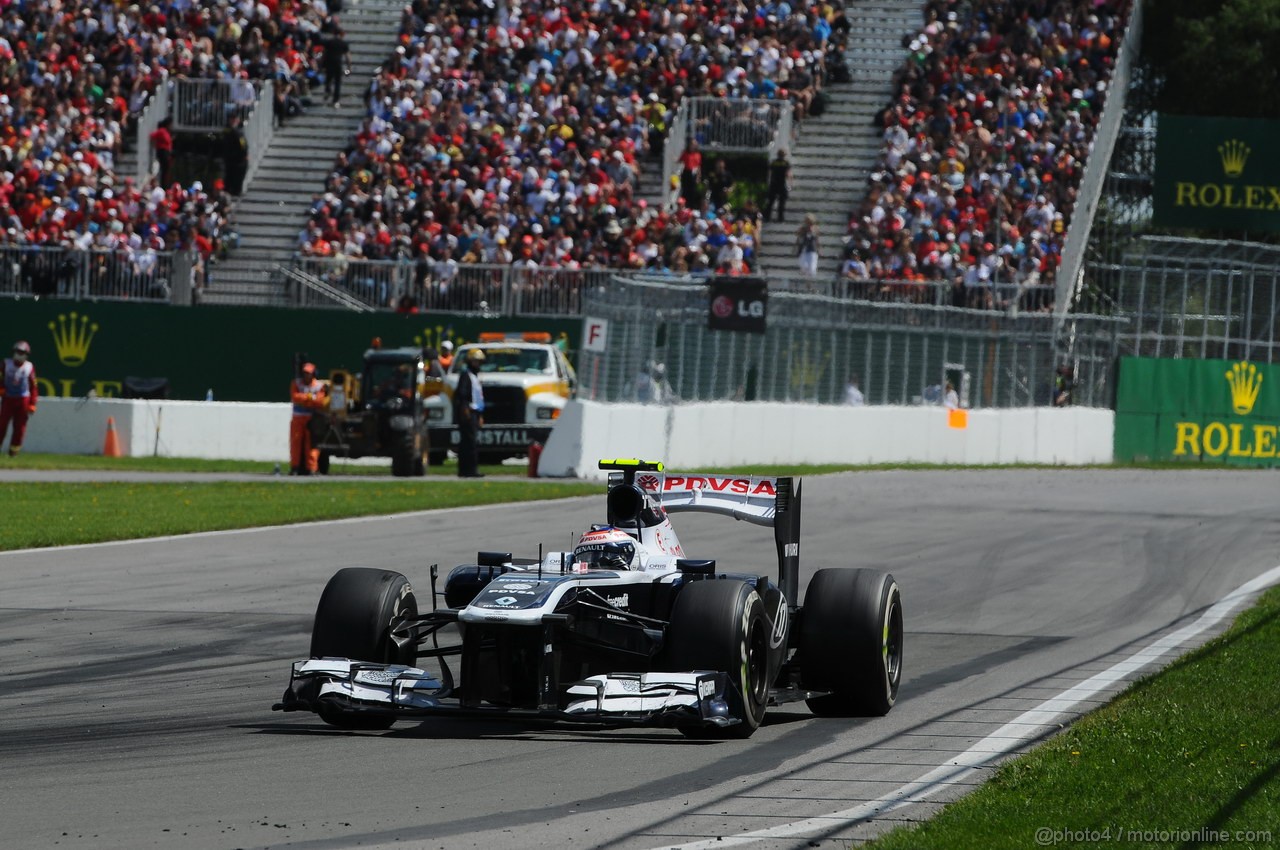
x: 72, y: 336
x: 1234, y: 154
x: 1245, y: 381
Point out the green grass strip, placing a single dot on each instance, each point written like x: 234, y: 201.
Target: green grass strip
x: 191, y: 464
x: 1195, y: 747
x: 342, y: 467
x: 53, y: 514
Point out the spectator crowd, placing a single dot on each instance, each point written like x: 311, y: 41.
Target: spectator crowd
x: 74, y: 77
x: 516, y: 133
x: 984, y: 147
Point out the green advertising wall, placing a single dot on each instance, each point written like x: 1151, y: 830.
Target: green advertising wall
x: 1212, y: 411
x: 241, y: 353
x: 1217, y: 173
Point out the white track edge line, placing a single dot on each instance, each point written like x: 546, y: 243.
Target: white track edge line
x: 259, y: 528
x: 1008, y: 738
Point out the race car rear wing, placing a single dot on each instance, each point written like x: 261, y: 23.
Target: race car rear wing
x: 756, y: 499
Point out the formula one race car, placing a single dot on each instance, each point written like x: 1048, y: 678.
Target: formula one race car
x: 622, y: 630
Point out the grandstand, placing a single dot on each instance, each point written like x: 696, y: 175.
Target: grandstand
x: 551, y: 119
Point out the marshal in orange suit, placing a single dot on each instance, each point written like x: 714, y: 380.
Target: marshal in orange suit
x: 308, y: 395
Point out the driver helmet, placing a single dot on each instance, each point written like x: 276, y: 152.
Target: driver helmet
x: 605, y: 548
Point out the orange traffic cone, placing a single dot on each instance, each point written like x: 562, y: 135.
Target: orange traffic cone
x: 111, y: 446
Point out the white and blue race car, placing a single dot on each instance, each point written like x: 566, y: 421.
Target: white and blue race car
x: 625, y: 629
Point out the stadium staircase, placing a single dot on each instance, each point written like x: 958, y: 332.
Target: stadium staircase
x: 836, y: 150
x: 273, y: 209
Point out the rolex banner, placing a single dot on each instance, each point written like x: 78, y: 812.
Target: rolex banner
x: 1217, y: 173
x: 1212, y: 411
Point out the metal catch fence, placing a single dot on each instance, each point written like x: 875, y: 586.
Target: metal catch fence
x: 897, y: 353
x: 1196, y: 298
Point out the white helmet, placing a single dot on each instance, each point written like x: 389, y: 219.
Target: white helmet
x: 605, y: 548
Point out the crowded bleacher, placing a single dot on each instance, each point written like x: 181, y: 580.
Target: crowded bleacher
x: 984, y: 148
x: 517, y: 134
x: 519, y: 139
x: 74, y: 76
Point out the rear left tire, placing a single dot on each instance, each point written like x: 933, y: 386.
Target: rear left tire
x: 851, y: 642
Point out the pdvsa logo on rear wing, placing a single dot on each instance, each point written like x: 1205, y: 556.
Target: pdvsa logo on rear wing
x: 747, y: 497
x: 743, y: 485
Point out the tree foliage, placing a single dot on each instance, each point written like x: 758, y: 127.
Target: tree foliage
x: 1215, y: 57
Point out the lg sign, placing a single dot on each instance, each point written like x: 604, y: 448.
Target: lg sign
x: 738, y: 304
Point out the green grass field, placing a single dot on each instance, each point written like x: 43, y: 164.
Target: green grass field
x: 383, y: 469
x: 90, y: 513
x: 376, y: 468
x: 1194, y: 747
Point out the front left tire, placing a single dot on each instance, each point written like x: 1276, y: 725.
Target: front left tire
x: 357, y: 611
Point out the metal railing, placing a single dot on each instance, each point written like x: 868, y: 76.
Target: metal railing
x: 512, y: 290
x: 470, y: 288
x: 259, y: 128
x: 672, y: 150
x: 306, y: 287
x: 725, y: 125
x: 898, y: 353
x: 1008, y: 297
x: 152, y: 114
x: 56, y: 272
x: 205, y: 105
x: 1071, y: 270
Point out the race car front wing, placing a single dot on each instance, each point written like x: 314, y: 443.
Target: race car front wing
x: 647, y: 699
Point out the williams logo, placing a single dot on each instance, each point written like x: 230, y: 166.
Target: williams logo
x: 1235, y: 154
x: 72, y: 337
x: 1245, y: 381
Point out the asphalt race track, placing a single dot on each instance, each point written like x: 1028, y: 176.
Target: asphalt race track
x: 136, y: 679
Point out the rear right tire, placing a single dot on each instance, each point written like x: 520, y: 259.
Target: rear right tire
x: 357, y: 610
x: 851, y: 642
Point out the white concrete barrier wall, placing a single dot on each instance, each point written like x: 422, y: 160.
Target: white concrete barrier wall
x: 204, y: 429
x: 728, y: 434
x: 684, y: 436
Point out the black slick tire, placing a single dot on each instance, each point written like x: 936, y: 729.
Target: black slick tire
x: 851, y: 642
x: 720, y: 624
x: 357, y: 609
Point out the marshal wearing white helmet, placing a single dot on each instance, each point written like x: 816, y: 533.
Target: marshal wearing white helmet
x: 20, y: 394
